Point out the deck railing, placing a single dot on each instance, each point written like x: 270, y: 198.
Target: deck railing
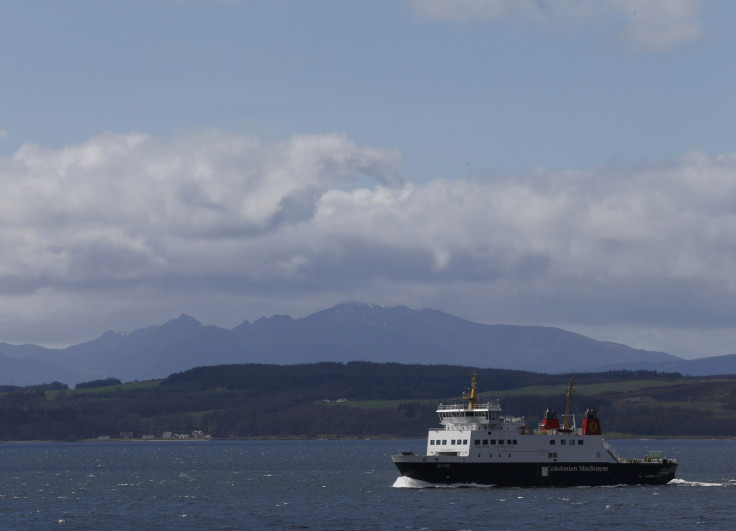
x: 491, y: 406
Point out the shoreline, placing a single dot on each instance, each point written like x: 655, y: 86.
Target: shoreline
x: 336, y: 438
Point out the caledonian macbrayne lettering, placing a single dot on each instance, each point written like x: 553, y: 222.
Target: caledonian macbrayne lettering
x: 578, y: 468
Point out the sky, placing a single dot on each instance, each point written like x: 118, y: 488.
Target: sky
x: 567, y: 163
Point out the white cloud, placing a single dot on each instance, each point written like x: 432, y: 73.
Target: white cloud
x: 649, y: 222
x: 660, y: 24
x: 129, y: 230
x: 122, y: 206
x: 649, y: 24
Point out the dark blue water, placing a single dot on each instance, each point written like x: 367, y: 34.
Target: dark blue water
x: 331, y: 485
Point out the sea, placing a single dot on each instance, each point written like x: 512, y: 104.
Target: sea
x: 333, y: 484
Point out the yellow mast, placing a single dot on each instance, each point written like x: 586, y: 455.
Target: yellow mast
x: 470, y: 397
x: 570, y: 391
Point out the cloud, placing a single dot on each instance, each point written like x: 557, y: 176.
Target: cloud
x: 120, y: 207
x: 629, y: 227
x: 136, y: 229
x: 660, y: 24
x: 654, y: 25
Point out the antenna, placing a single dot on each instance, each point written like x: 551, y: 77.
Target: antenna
x: 570, y: 391
x: 471, y: 397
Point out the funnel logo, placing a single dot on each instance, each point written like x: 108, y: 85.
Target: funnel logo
x: 591, y: 426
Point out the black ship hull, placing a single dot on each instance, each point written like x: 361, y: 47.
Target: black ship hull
x: 536, y: 474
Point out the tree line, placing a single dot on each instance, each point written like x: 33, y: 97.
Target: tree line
x: 254, y: 400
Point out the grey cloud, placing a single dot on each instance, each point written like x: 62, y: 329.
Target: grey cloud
x: 138, y: 229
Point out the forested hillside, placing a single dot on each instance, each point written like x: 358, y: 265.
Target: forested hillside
x: 357, y: 399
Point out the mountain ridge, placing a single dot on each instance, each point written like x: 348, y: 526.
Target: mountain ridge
x: 345, y: 332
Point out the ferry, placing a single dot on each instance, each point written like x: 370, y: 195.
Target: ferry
x: 476, y: 445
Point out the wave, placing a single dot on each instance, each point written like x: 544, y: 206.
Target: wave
x: 403, y: 482
x: 685, y: 483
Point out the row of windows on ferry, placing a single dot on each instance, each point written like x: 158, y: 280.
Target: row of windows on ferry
x: 494, y: 442
x: 477, y: 442
x: 481, y: 414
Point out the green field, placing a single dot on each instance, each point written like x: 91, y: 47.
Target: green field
x: 130, y: 386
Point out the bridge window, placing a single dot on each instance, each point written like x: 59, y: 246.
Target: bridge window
x: 580, y: 441
x: 551, y: 441
x: 485, y: 442
x: 493, y: 441
x: 477, y: 442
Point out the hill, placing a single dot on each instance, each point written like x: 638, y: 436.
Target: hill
x: 343, y: 333
x: 357, y: 399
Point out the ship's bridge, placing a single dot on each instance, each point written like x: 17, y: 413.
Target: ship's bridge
x: 458, y: 416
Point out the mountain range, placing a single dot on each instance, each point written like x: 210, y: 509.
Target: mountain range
x: 346, y: 332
